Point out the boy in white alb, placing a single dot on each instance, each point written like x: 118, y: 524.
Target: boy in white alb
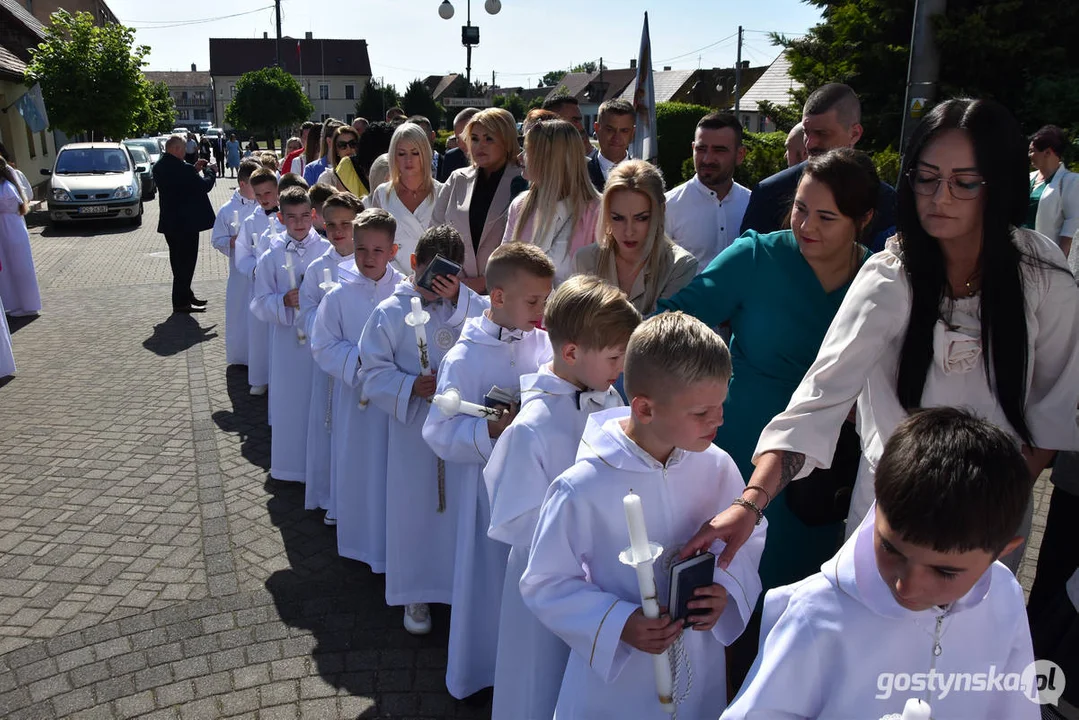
x: 589, y: 323
x: 319, y: 194
x: 495, y: 349
x: 914, y: 605
x: 339, y: 210
x: 261, y: 221
x: 277, y: 301
x: 358, y: 471
x: 223, y: 237
x: 421, y: 521
x: 660, y: 448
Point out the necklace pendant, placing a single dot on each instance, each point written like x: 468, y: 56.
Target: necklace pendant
x: 937, y: 649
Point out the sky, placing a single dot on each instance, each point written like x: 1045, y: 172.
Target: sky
x: 407, y: 39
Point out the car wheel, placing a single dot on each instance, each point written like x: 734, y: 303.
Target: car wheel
x: 137, y: 220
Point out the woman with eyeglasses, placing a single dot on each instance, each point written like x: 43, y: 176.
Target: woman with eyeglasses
x: 345, y: 142
x: 963, y: 307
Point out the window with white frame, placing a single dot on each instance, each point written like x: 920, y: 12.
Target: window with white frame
x: 323, y: 92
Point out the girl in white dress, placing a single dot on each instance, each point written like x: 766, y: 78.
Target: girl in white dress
x: 411, y: 191
x: 18, y: 279
x: 7, y: 358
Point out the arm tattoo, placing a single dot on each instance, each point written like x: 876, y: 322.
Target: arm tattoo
x: 790, y: 465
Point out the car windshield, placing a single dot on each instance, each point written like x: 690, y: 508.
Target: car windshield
x: 139, y: 155
x: 149, y: 146
x: 92, y: 161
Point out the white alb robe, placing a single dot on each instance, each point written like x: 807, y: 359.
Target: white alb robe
x: 410, y: 225
x: 538, y: 446
x: 826, y: 642
x: 7, y: 357
x: 250, y: 245
x: 420, y: 541
x: 290, y: 370
x: 323, y: 388
x: 577, y: 587
x: 478, y: 361
x: 18, y: 278
x: 358, y: 471
x: 228, y: 224
x: 859, y: 360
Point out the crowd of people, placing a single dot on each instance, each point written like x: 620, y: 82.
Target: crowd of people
x: 472, y: 358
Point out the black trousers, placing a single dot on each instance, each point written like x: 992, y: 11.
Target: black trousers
x: 183, y: 254
x: 1059, y: 555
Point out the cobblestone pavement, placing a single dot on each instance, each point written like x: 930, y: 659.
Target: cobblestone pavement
x: 148, y: 566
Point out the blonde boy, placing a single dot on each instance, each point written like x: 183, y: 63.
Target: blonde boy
x: 495, y: 349
x: 676, y: 374
x: 226, y: 231
x: 589, y: 323
x: 339, y: 210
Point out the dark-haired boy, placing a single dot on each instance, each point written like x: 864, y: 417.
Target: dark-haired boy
x: 277, y: 302
x: 914, y: 604
x: 226, y: 231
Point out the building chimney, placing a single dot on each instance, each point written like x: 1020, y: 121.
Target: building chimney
x: 192, y: 67
x: 307, y: 35
x: 633, y: 63
x: 745, y: 64
x: 666, y: 68
x: 265, y: 35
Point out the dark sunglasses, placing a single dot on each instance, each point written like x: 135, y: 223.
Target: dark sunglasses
x: 346, y: 144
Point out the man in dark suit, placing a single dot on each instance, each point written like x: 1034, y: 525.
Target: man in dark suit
x: 831, y: 118
x: 185, y: 211
x: 456, y: 158
x: 614, y: 127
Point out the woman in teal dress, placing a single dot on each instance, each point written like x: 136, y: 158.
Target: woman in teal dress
x: 779, y: 293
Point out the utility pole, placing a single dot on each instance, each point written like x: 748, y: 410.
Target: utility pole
x: 924, y: 69
x: 277, y: 6
x: 738, y: 75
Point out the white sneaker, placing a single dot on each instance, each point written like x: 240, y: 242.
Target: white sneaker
x: 418, y: 618
x: 327, y: 520
x: 258, y: 389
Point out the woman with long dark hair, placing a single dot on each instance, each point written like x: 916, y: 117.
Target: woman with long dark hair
x: 962, y: 308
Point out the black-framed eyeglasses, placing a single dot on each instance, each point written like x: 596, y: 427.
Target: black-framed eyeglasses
x: 347, y: 144
x: 962, y: 187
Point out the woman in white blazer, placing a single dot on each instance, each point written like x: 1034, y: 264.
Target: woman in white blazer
x: 1054, y: 190
x: 476, y: 199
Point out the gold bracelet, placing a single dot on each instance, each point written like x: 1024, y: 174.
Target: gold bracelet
x: 767, y: 495
x: 750, y: 505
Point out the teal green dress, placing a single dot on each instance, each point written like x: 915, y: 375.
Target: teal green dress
x: 778, y: 313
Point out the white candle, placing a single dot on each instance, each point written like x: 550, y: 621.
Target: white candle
x: 254, y: 241
x: 291, y: 271
x: 450, y: 403
x: 418, y: 319
x: 916, y: 709
x: 236, y: 219
x: 327, y: 276
x: 638, y: 533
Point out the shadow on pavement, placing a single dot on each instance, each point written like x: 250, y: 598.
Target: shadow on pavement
x: 179, y: 332
x: 247, y: 419
x: 15, y: 324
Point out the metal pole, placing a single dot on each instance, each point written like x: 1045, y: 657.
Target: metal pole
x: 277, y: 5
x: 924, y: 69
x: 738, y: 75
x: 468, y: 50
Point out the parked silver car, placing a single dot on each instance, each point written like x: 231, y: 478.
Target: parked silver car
x: 94, y: 180
x: 146, y: 175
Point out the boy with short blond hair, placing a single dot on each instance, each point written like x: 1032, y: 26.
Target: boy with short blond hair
x: 277, y: 302
x: 226, y: 231
x: 339, y: 211
x: 589, y: 323
x: 494, y: 350
x: 421, y: 507
x: 660, y: 448
x: 358, y: 469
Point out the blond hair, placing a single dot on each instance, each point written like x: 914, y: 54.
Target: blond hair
x: 268, y: 160
x: 509, y: 259
x: 500, y: 124
x: 588, y: 312
x: 380, y: 171
x: 669, y: 352
x: 557, y: 171
x: 658, y: 253
x: 374, y: 220
x: 406, y: 134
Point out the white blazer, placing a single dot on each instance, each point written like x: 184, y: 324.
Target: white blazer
x: 1058, y: 209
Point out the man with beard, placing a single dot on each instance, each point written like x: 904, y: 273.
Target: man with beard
x: 705, y: 212
x: 831, y: 118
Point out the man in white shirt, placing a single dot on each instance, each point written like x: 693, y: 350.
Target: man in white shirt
x: 705, y: 212
x: 614, y: 128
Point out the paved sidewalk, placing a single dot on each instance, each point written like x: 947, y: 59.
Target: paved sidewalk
x: 148, y: 567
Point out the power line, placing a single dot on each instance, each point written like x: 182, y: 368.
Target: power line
x: 163, y: 24
x: 694, y: 52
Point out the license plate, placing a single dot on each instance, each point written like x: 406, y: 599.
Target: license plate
x: 93, y: 209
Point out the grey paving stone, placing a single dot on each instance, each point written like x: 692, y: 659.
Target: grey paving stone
x: 135, y: 705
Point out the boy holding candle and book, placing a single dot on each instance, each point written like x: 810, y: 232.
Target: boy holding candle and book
x: 276, y: 301
x: 421, y: 508
x: 915, y: 593
x: 494, y: 350
x: 589, y: 323
x: 223, y: 237
x: 338, y: 211
x: 659, y: 448
x: 358, y: 442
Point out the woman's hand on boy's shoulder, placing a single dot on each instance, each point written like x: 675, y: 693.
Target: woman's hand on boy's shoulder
x: 650, y: 636
x: 708, y: 602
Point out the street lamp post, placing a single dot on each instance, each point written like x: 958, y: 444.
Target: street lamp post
x: 470, y: 34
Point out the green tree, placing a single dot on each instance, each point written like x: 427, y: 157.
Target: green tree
x: 91, y: 77
x: 158, y: 112
x: 675, y: 125
x: 551, y: 78
x: 1009, y: 50
x: 785, y: 117
x: 515, y: 104
x: 375, y: 100
x: 267, y: 100
x: 417, y: 100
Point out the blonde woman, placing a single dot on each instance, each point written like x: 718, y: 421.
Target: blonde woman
x: 476, y: 199
x: 558, y: 212
x: 411, y: 191
x: 632, y: 251
x: 345, y: 142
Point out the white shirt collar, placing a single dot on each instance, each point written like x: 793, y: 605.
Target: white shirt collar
x: 606, y: 165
